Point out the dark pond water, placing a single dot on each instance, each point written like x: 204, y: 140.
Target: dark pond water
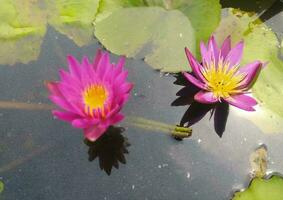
x: 44, y: 158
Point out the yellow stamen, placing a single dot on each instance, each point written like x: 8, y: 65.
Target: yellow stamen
x: 222, y: 81
x: 94, y: 98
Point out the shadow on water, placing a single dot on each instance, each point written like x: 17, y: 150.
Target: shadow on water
x: 196, y: 111
x: 266, y: 9
x: 109, y: 149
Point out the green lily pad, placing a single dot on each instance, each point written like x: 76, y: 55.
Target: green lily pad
x: 154, y: 33
x: 73, y: 18
x: 160, y: 41
x: 22, y: 27
x: 262, y: 189
x: 204, y: 15
x: 1, y: 187
x: 260, y: 44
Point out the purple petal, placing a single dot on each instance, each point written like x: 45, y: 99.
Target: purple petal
x: 242, y: 101
x: 226, y: 47
x: 194, y: 65
x: 194, y: 81
x: 212, y: 47
x: 205, y: 54
x: 205, y: 97
x: 235, y: 55
x: 251, y: 72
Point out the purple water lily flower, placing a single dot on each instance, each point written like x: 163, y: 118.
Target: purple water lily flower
x: 220, y: 76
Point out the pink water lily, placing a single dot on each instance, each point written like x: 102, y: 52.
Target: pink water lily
x: 220, y: 77
x: 92, y: 94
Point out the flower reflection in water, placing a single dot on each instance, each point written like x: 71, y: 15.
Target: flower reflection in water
x: 109, y: 149
x: 196, y: 111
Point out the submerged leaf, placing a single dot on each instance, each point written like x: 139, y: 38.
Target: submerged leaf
x: 22, y: 27
x: 260, y: 44
x: 262, y: 189
x: 258, y: 162
x: 73, y: 18
x: 154, y: 33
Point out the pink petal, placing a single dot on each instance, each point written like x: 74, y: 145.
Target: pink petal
x: 114, y: 111
x: 121, y: 78
x: 74, y: 66
x: 116, y: 119
x: 126, y: 87
x: 97, y: 58
x: 84, y: 123
x: 104, y: 61
x: 119, y: 66
x: 226, y: 47
x: 94, y: 133
x: 65, y: 116
x: 86, y: 71
x: 61, y: 102
x: 194, y: 81
x: 205, y: 97
x: 194, y: 65
x: 53, y: 88
x: 242, y: 101
x: 251, y: 72
x: 235, y: 55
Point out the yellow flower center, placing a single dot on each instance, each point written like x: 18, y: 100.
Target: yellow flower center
x: 222, y: 81
x: 94, y: 97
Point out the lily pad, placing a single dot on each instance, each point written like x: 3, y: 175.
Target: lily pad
x: 22, y: 27
x: 260, y: 44
x: 73, y: 18
x: 204, y: 15
x: 140, y: 31
x: 262, y: 189
x: 154, y: 33
x: 1, y: 187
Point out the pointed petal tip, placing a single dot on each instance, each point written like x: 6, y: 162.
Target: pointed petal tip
x: 243, y: 102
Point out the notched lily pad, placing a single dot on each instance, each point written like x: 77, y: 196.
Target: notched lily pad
x: 260, y: 44
x: 262, y: 189
x: 154, y: 33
